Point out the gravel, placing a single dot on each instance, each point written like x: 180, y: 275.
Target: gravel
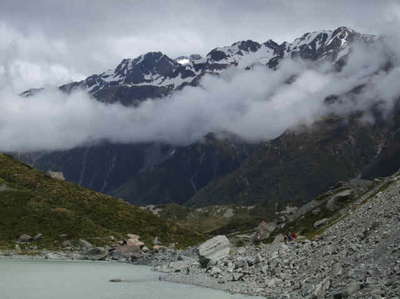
x: 358, y: 256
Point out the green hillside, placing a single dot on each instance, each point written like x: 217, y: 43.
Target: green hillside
x: 31, y: 202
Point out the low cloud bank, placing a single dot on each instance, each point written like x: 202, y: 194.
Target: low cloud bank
x: 255, y: 105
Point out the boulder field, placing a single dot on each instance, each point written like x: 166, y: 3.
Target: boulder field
x: 355, y: 253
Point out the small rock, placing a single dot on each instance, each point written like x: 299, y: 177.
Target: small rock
x: 258, y: 259
x: 156, y: 241
x: 215, y: 271
x: 337, y: 270
x: 351, y: 288
x: 58, y: 175
x: 271, y: 283
x: 134, y: 243
x: 316, y: 211
x: 279, y: 239
x: 320, y: 223
x: 133, y: 236
x: 159, y: 248
x: 38, y: 237
x: 85, y: 244
x: 321, y: 288
x: 116, y: 280
x: 66, y: 243
x: 237, y: 276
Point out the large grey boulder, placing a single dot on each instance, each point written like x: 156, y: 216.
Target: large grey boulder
x: 336, y: 201
x: 25, y: 238
x: 85, y: 244
x: 214, y: 250
x: 96, y: 253
x: 131, y: 249
x: 264, y: 230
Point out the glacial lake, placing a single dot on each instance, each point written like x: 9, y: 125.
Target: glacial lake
x: 26, y: 279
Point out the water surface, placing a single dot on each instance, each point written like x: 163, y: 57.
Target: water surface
x: 23, y: 279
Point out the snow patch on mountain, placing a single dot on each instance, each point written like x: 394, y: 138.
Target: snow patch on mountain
x: 157, y: 71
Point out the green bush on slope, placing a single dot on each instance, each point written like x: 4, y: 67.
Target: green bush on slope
x: 35, y: 203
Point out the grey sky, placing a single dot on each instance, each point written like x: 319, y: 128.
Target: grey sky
x: 54, y: 41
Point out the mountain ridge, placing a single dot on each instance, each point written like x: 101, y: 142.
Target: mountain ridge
x: 154, y: 74
x: 198, y: 173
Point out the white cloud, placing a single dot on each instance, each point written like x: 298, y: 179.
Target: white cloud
x: 255, y: 105
x: 43, y: 45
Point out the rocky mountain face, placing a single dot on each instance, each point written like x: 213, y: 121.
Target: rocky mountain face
x: 146, y: 173
x: 154, y: 74
x: 184, y: 172
x: 298, y: 165
x: 293, y: 167
x: 346, y: 246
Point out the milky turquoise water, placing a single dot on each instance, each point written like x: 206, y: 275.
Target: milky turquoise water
x: 22, y: 279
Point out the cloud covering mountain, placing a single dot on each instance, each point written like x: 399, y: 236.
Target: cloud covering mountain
x: 256, y: 104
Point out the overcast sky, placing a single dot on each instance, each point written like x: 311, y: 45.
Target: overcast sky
x: 50, y: 42
x: 55, y: 41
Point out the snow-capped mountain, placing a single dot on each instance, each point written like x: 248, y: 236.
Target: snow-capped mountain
x: 331, y: 44
x: 154, y: 74
x: 293, y: 167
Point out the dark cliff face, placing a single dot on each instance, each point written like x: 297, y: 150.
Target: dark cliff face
x: 387, y: 160
x: 298, y: 165
x: 100, y: 167
x: 294, y: 167
x: 147, y: 173
x: 184, y: 172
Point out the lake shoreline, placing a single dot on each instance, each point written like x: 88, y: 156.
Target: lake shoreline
x: 195, y: 279
x: 123, y: 277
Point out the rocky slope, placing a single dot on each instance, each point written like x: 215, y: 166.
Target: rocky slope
x: 352, y: 252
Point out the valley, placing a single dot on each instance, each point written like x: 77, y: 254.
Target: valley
x: 153, y: 149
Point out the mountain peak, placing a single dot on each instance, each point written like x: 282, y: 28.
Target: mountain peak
x: 323, y: 43
x: 135, y: 70
x: 247, y: 45
x: 154, y: 74
x: 343, y: 29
